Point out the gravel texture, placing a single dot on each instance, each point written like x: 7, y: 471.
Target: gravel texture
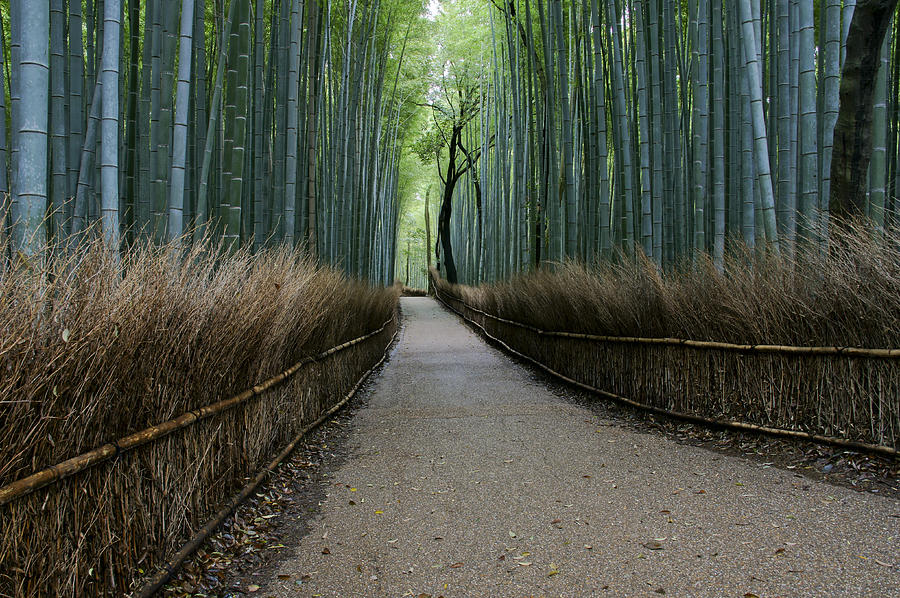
x: 466, y: 476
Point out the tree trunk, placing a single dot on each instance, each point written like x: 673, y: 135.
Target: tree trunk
x: 853, y: 131
x: 427, y: 228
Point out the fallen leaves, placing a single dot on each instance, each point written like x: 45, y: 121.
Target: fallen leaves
x: 456, y: 565
x: 652, y: 545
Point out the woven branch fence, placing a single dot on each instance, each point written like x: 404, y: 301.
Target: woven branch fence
x: 94, y: 523
x: 839, y: 395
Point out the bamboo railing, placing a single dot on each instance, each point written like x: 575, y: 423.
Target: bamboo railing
x: 787, y: 351
x: 692, y: 344
x: 24, y: 486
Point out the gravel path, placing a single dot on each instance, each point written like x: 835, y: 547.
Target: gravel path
x: 466, y: 477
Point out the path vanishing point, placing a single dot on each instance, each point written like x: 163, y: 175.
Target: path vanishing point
x: 467, y: 476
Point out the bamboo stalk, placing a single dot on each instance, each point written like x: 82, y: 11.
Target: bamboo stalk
x: 885, y: 451
x: 859, y: 352
x: 169, y: 569
x: 70, y: 467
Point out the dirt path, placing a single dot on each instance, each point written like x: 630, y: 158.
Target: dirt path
x: 465, y: 477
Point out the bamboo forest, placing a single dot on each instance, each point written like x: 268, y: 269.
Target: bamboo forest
x: 316, y: 297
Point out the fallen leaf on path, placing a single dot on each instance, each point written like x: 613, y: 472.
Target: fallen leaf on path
x: 512, y: 534
x: 284, y: 577
x: 652, y: 545
x: 326, y: 551
x: 588, y: 547
x: 524, y: 564
x: 883, y: 564
x: 253, y: 588
x: 555, y: 521
x: 456, y: 565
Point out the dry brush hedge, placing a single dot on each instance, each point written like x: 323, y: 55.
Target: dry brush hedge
x: 846, y: 297
x: 96, y: 348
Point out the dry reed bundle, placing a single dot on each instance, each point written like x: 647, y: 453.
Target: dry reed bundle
x: 95, y: 348
x: 848, y: 296
x: 411, y: 292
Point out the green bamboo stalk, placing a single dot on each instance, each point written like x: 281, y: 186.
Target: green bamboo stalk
x: 203, y: 211
x: 58, y: 163
x: 290, y: 163
x: 31, y: 136
x: 180, y: 131
x: 809, y: 169
x: 109, y: 142
x: 763, y: 172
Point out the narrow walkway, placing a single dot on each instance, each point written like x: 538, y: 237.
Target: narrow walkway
x: 468, y: 478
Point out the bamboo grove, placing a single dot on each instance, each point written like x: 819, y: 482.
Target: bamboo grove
x: 603, y: 127
x: 251, y: 122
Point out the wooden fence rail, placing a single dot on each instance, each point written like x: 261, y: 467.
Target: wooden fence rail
x: 861, y: 352
x: 69, y: 467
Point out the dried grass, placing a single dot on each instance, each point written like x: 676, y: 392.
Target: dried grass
x: 93, y: 348
x: 411, y: 292
x: 847, y: 296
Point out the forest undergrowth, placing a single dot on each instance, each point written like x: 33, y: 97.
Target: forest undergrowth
x: 95, y: 346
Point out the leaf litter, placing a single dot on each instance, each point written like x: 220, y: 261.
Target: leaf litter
x: 252, y: 538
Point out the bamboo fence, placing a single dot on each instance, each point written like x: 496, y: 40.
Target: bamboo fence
x: 845, y: 396
x: 168, y: 569
x: 106, y: 516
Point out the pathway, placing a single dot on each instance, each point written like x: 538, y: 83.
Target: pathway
x: 467, y: 477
